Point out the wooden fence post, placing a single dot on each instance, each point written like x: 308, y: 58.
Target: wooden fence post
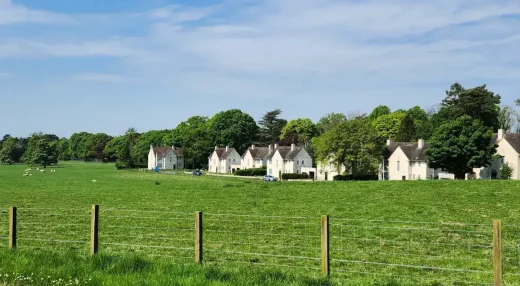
x: 94, y: 230
x: 325, y: 258
x: 198, y: 237
x: 12, y: 227
x: 497, y: 252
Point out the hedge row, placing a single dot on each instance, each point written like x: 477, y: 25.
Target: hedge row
x: 356, y: 178
x: 259, y: 172
x: 292, y: 176
x: 125, y: 165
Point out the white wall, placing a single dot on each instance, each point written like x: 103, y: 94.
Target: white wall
x: 247, y: 161
x: 404, y: 166
x: 214, y: 163
x: 301, y: 160
x: 151, y: 159
x: 510, y: 156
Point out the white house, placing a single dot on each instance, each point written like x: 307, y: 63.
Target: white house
x: 407, y: 161
x: 256, y: 157
x: 165, y: 158
x: 288, y: 159
x: 509, y: 150
x: 224, y: 160
x: 327, y: 172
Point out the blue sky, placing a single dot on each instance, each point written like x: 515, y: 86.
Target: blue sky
x: 103, y: 66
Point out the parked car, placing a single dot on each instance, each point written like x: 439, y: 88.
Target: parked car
x: 197, y: 173
x: 269, y: 178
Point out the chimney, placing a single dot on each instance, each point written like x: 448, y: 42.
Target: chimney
x: 173, y: 147
x: 292, y: 147
x: 151, y: 146
x: 270, y: 147
x: 420, y: 144
x: 500, y: 134
x: 276, y: 146
x: 227, y: 148
x: 388, y: 142
x: 252, y: 147
x: 216, y: 147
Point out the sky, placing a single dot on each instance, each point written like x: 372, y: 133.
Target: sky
x: 104, y: 66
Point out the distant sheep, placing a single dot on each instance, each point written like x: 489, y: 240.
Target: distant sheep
x: 53, y: 171
x: 43, y: 171
x: 94, y: 181
x: 25, y: 175
x: 30, y: 175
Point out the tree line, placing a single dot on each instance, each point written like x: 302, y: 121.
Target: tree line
x: 355, y: 140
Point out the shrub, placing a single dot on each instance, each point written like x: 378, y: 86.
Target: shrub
x: 293, y: 176
x: 506, y: 172
x: 338, y: 178
x: 346, y: 177
x: 259, y: 172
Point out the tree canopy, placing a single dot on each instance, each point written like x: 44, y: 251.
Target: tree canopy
x: 271, y: 126
x: 299, y: 131
x: 234, y: 128
x: 459, y: 146
x: 387, y: 126
x: 41, y: 150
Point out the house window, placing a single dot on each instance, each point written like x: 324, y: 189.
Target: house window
x: 270, y: 171
x: 233, y: 160
x: 502, y: 160
x: 398, y: 163
x: 297, y: 162
x: 413, y: 176
x: 171, y: 159
x: 411, y: 164
x: 418, y: 177
x: 229, y: 160
x: 303, y: 162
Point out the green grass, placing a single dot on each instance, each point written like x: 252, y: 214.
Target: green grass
x: 439, y: 230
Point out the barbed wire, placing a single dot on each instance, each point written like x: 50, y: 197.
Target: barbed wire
x: 147, y: 246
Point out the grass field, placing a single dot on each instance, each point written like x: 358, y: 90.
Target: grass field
x: 255, y: 233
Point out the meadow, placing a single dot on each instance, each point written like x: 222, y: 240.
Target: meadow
x: 255, y: 233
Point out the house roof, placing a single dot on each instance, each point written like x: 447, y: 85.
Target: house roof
x: 258, y: 153
x: 222, y: 153
x: 286, y: 153
x: 163, y: 151
x: 413, y: 153
x: 514, y: 140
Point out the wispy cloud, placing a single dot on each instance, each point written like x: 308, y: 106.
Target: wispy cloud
x: 110, y: 78
x: 11, y: 13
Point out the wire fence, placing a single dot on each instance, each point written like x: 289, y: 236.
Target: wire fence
x: 361, y: 251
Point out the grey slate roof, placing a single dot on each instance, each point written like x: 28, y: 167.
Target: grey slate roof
x: 259, y: 153
x: 286, y: 153
x: 410, y: 149
x: 163, y: 151
x: 222, y: 153
x: 514, y: 140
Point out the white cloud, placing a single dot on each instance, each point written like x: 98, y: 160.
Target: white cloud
x: 11, y: 13
x: 110, y: 78
x: 304, y: 48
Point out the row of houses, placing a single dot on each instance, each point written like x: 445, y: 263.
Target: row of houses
x: 408, y: 161
x: 404, y: 160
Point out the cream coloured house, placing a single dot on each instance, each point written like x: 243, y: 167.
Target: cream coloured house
x: 224, y: 160
x: 288, y: 159
x: 165, y: 158
x: 508, y: 147
x: 256, y: 157
x: 407, y: 161
x: 327, y: 172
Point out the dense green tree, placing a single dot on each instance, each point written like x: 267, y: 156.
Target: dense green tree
x: 64, y: 149
x: 459, y: 146
x: 407, y: 131
x: 271, y: 126
x: 113, y: 148
x: 41, y: 150
x: 479, y: 103
x: 234, y: 128
x: 196, y: 141
x: 299, y: 131
x: 11, y: 151
x: 95, y: 146
x: 142, y: 146
x: 78, y: 145
x: 354, y: 144
x: 379, y: 111
x: 330, y: 120
x: 5, y: 137
x: 387, y: 126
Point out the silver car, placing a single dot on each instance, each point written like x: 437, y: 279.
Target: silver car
x: 269, y: 178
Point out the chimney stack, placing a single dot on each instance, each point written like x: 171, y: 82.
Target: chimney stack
x: 276, y: 146
x: 292, y: 147
x: 227, y: 148
x: 388, y: 142
x: 253, y: 147
x: 216, y: 147
x: 270, y: 147
x: 420, y: 144
x: 500, y: 134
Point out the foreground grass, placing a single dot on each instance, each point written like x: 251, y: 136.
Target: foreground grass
x: 47, y: 268
x: 438, y: 224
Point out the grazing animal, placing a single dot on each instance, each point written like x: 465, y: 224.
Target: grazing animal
x: 25, y: 175
x: 30, y: 175
x: 38, y: 169
x: 94, y: 181
x: 43, y: 171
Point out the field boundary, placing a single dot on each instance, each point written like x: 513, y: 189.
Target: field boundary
x: 328, y: 246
